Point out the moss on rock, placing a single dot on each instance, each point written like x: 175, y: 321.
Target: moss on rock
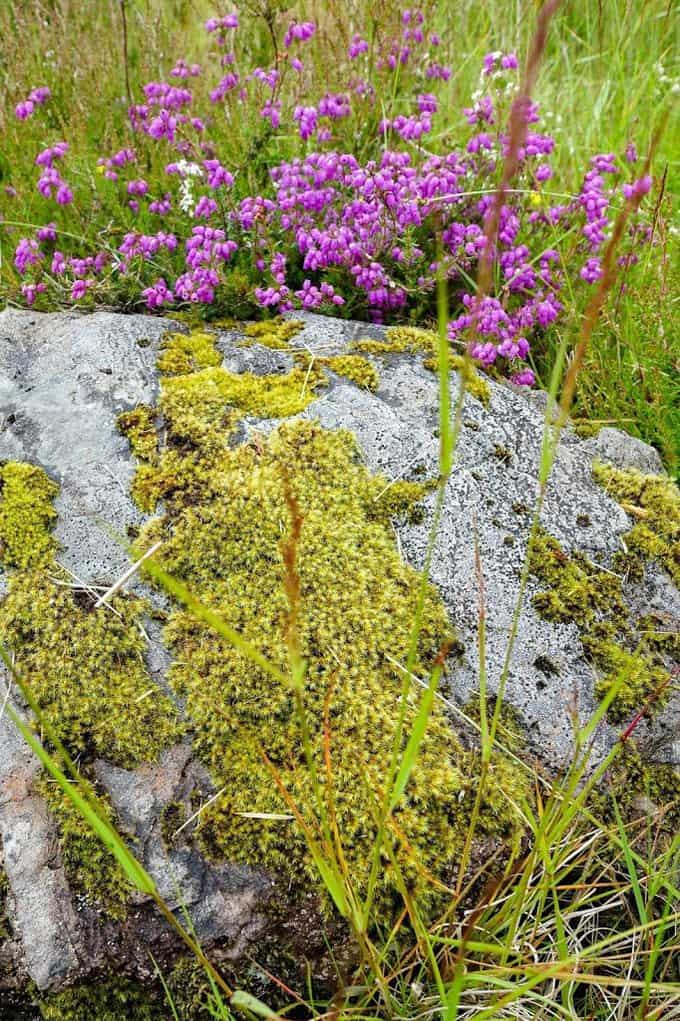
x: 654, y: 503
x: 591, y: 597
x: 115, y: 1000
x: 92, y: 870
x: 289, y: 539
x: 272, y: 333
x: 139, y: 428
x: 85, y: 668
x: 413, y: 340
x: 355, y: 368
x: 26, y: 515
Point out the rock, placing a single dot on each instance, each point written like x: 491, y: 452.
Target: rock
x: 64, y: 378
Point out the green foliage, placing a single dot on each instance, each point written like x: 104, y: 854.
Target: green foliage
x: 26, y: 515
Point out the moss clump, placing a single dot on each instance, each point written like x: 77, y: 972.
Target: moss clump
x: 641, y: 787
x: 273, y: 333
x: 400, y: 340
x: 115, y: 1000
x: 91, y: 869
x: 26, y: 515
x: 139, y: 428
x: 654, y: 501
x: 353, y: 604
x: 85, y: 668
x: 355, y: 368
x: 201, y: 411
x: 412, y: 340
x: 582, y: 593
x: 188, y: 352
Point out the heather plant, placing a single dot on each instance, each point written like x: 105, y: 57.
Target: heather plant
x: 247, y: 186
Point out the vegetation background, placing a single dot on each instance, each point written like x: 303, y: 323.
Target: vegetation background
x: 585, y: 922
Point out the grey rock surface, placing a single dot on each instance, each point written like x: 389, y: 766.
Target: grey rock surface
x: 64, y: 378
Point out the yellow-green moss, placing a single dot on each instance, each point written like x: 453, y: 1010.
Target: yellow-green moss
x: 26, y: 515
x: 273, y: 333
x: 117, y: 999
x: 91, y: 868
x: 475, y: 382
x: 201, y: 410
x: 400, y: 340
x: 354, y: 615
x: 139, y: 428
x: 84, y: 666
x: 654, y: 503
x: 641, y: 787
x: 355, y: 368
x: 188, y: 352
x: 580, y: 592
x: 412, y: 340
x: 86, y: 669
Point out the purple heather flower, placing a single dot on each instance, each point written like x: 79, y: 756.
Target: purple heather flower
x: 79, y: 289
x: 357, y: 46
x: 631, y: 153
x: 139, y: 187
x: 24, y: 110
x: 205, y: 207
x: 30, y: 291
x: 27, y: 253
x: 638, y: 188
x: 158, y: 294
x: 524, y: 378
x: 591, y: 271
x: 47, y: 233
x: 299, y: 32
x: 161, y: 206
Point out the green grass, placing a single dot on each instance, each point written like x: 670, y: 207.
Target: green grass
x: 583, y: 920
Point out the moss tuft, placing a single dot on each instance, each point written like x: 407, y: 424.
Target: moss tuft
x: 26, y: 515
x: 116, y: 1000
x: 400, y: 340
x: 412, y: 340
x: 654, y: 502
x: 188, y: 352
x: 580, y: 592
x: 355, y: 368
x: 86, y: 669
x: 273, y: 333
x: 139, y: 428
x: 91, y: 868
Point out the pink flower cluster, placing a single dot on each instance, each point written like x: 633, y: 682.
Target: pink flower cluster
x: 373, y: 232
x: 36, y: 97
